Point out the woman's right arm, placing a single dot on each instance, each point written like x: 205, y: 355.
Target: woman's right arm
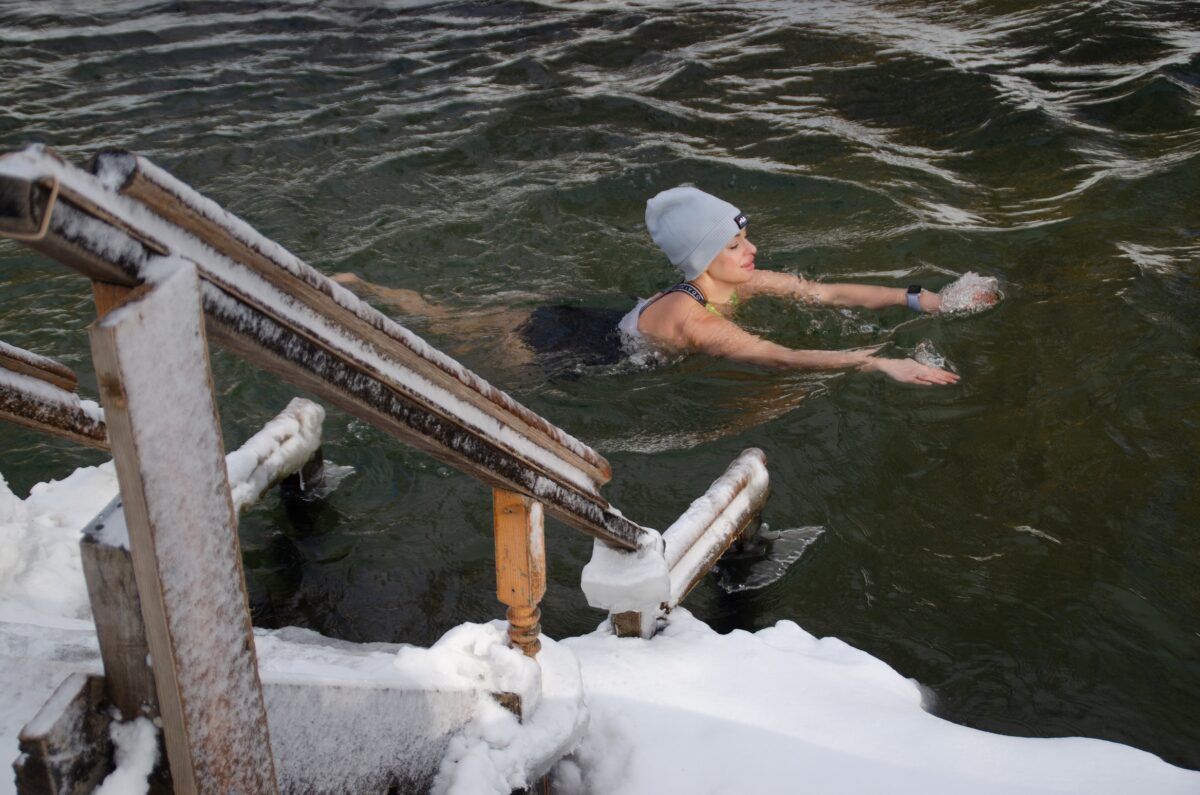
x: 717, y: 336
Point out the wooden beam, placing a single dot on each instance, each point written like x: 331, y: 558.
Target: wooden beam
x: 43, y: 368
x: 128, y: 681
x: 26, y: 209
x: 63, y: 418
x: 520, y: 567
x: 312, y: 367
x: 183, y: 538
x: 112, y: 589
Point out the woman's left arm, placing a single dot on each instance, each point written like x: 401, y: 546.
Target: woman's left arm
x: 867, y: 296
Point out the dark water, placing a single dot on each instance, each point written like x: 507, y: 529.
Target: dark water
x: 1025, y: 543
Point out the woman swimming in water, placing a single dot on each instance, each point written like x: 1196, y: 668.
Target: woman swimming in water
x: 705, y: 238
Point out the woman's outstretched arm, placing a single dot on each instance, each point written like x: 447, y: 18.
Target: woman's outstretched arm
x: 867, y: 296
x: 717, y: 336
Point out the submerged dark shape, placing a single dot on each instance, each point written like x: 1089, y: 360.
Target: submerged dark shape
x: 578, y: 335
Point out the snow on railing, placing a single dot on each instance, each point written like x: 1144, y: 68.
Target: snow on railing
x: 714, y: 521
x: 39, y: 393
x: 637, y: 587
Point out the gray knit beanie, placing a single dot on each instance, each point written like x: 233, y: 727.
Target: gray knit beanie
x: 691, y: 227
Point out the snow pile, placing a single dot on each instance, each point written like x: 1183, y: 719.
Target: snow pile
x: 39, y: 540
x: 136, y: 746
x: 497, y: 753
x: 490, y: 750
x: 780, y: 711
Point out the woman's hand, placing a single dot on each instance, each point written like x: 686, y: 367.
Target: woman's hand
x: 910, y: 371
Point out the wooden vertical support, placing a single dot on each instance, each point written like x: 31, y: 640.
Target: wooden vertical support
x: 112, y: 591
x: 520, y: 565
x: 151, y: 360
x: 120, y: 631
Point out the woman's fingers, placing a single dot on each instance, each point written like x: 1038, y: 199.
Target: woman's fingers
x: 910, y: 371
x: 936, y: 376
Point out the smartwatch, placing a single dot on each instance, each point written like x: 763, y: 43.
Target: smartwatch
x: 913, y: 298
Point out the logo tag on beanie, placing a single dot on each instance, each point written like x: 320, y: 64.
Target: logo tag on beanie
x: 740, y: 220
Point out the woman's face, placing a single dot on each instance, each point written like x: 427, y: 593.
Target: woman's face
x: 735, y: 263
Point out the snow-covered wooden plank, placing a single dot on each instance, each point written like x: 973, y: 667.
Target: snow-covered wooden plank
x: 35, y: 207
x: 19, y: 360
x: 183, y: 537
x: 710, y: 525
x: 276, y: 330
x: 228, y: 234
x: 35, y: 403
x: 65, y: 749
x: 357, y: 391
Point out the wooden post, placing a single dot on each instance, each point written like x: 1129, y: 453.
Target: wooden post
x: 128, y: 677
x: 520, y: 565
x: 112, y: 591
x: 151, y: 361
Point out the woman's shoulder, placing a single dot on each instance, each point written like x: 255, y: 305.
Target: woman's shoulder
x: 665, y: 314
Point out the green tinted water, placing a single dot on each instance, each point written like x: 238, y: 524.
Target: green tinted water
x: 1024, y: 544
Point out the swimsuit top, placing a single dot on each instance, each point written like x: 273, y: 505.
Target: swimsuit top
x: 629, y: 323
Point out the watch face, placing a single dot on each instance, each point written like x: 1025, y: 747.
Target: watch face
x: 914, y: 289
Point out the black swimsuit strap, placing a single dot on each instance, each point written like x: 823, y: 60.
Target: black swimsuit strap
x: 683, y: 287
x: 689, y: 289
